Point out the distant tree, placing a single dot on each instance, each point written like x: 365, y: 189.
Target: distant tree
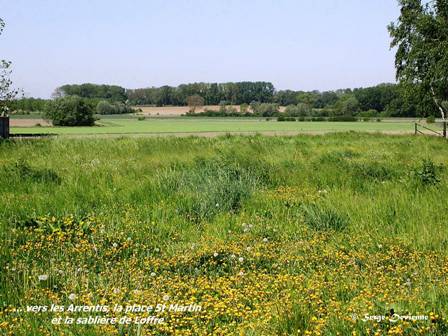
x: 347, y: 105
x: 70, y: 111
x: 194, y: 102
x: 299, y: 110
x: 26, y: 105
x: 265, y: 109
x: 88, y: 90
x: 6, y: 91
x: 308, y: 98
x: 286, y: 97
x: 421, y: 38
x: 326, y: 99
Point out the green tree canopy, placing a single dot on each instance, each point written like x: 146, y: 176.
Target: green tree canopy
x: 70, y: 111
x: 421, y: 38
x: 6, y: 91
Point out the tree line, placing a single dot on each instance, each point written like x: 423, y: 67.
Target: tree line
x: 386, y: 99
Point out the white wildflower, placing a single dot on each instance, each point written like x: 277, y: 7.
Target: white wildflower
x: 43, y: 277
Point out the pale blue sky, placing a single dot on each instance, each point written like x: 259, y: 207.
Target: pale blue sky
x: 295, y: 44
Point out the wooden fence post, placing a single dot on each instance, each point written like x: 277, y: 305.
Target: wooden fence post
x: 444, y: 129
x: 415, y: 128
x: 4, y: 127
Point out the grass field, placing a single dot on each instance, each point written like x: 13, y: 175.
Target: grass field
x: 300, y: 235
x: 217, y: 125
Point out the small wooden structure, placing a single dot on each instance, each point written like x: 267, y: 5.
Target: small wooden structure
x: 4, y: 127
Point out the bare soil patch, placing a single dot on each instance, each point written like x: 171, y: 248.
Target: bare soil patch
x: 28, y: 122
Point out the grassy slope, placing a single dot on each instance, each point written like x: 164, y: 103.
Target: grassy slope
x: 122, y: 126
x: 326, y: 227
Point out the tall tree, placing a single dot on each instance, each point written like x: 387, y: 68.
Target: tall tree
x: 421, y: 38
x: 6, y: 91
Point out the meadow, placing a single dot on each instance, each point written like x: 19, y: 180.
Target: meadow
x: 128, y: 125
x: 292, y: 235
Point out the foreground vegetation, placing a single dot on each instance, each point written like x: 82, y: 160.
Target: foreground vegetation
x: 270, y: 236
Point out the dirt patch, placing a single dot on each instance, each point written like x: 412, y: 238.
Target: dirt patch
x: 175, y: 111
x: 28, y: 122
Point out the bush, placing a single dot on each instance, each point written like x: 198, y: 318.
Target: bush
x: 105, y: 107
x: 141, y: 118
x: 318, y: 119
x: 430, y: 120
x: 283, y: 118
x: 299, y: 110
x: 427, y: 173
x: 343, y: 118
x: 69, y: 111
x: 265, y: 109
x: 368, y: 114
x: 244, y: 108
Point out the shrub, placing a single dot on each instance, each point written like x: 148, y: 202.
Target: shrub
x: 368, y: 114
x: 244, y: 108
x: 265, y: 109
x: 141, y: 118
x: 105, y: 107
x: 194, y: 102
x: 69, y: 111
x: 426, y: 174
x: 343, y: 118
x: 431, y: 119
x: 318, y: 119
x: 299, y: 110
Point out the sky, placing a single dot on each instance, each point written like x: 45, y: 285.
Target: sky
x: 295, y: 44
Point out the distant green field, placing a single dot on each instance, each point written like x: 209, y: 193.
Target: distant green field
x: 224, y: 125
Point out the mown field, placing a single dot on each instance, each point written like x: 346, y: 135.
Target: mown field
x: 216, y: 125
x: 298, y: 235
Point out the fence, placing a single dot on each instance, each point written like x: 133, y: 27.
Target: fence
x: 426, y: 129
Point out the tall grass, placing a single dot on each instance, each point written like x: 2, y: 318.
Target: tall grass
x: 312, y: 197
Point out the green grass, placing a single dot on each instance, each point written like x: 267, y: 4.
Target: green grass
x: 271, y: 235
x: 195, y: 125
